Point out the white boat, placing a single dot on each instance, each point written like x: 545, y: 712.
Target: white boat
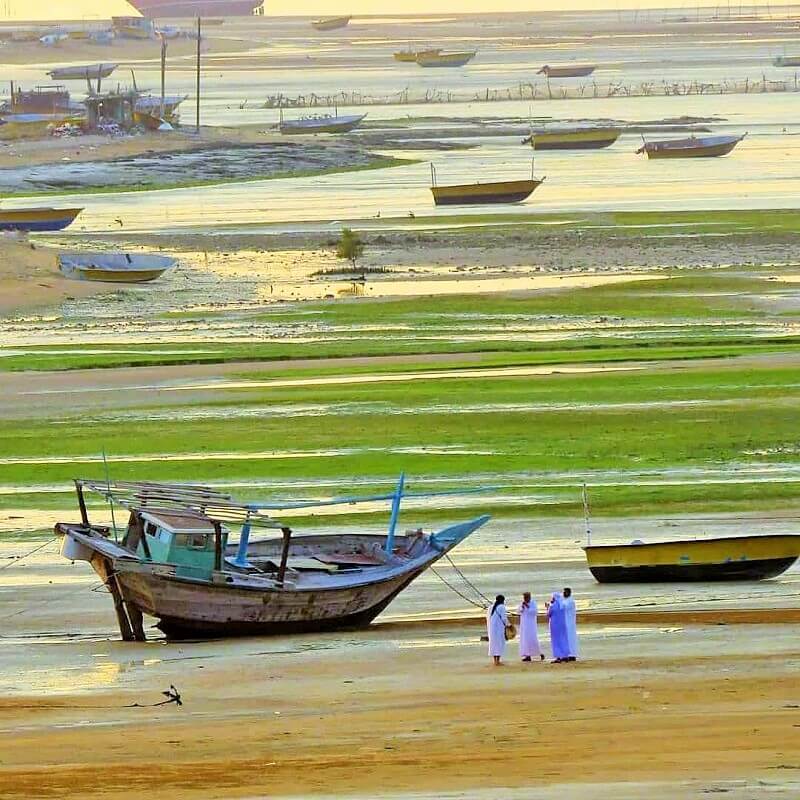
x: 82, y: 72
x: 326, y: 123
x: 114, y: 267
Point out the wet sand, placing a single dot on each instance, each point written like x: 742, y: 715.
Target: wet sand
x: 29, y: 278
x: 396, y: 711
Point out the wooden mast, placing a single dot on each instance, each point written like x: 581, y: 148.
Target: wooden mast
x: 199, y: 35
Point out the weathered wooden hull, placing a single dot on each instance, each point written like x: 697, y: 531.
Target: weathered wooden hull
x: 188, y: 609
x: 444, y: 59
x: 720, y: 559
x: 567, y: 72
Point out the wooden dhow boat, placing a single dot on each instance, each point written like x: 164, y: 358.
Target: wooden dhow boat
x: 82, y: 72
x: 728, y: 558
x: 692, y: 147
x: 572, y: 138
x: 567, y: 70
x: 37, y: 219
x: 442, y: 59
x: 324, y: 123
x: 114, y: 267
x: 330, y: 23
x: 483, y: 193
x: 176, y: 561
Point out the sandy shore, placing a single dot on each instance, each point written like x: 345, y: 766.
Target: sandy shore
x: 29, y: 278
x: 384, y: 712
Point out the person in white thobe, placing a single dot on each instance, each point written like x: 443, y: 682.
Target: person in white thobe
x: 571, y: 620
x: 558, y: 629
x: 528, y: 634
x: 496, y: 624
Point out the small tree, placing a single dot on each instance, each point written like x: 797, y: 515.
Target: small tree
x: 350, y: 246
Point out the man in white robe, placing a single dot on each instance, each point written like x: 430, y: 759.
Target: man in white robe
x: 558, y: 629
x: 496, y: 624
x: 571, y: 620
x: 528, y: 634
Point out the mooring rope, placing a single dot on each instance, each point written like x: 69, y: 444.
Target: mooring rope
x: 16, y: 559
x: 484, y: 602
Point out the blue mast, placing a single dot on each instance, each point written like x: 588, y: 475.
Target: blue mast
x: 397, y: 497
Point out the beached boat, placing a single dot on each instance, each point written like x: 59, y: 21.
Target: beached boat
x: 720, y: 559
x: 197, y: 8
x: 483, y: 193
x: 691, y: 147
x: 33, y: 126
x: 442, y: 59
x: 572, y: 138
x: 37, y: 219
x: 177, y: 561
x: 148, y: 110
x: 82, y: 72
x: 330, y: 23
x: 326, y: 123
x: 786, y: 61
x: 410, y: 56
x: 567, y: 70
x: 114, y: 267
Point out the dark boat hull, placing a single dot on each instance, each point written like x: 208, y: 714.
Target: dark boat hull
x: 481, y: 199
x: 688, y: 573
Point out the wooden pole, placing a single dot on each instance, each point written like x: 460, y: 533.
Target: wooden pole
x: 163, y: 73
x: 287, y: 539
x: 217, y: 547
x: 82, y: 504
x: 199, y: 36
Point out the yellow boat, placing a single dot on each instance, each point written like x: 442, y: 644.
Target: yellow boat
x: 440, y: 59
x: 727, y: 558
x: 573, y: 138
x: 410, y: 56
x: 330, y: 23
x: 483, y: 193
x: 31, y: 126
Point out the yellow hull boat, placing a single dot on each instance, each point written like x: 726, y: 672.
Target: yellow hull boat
x: 728, y: 558
x: 573, y: 138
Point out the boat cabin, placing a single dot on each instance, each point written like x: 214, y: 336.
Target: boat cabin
x: 185, y: 540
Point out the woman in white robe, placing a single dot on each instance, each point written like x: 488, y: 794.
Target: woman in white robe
x: 528, y: 634
x: 496, y: 624
x: 558, y: 629
x: 571, y: 620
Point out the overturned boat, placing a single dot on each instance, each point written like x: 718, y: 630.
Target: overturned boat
x: 177, y: 561
x: 728, y: 558
x: 692, y: 147
x: 114, y: 267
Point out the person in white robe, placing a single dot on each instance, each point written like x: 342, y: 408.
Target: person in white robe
x: 571, y: 620
x: 496, y: 624
x: 558, y: 629
x: 528, y: 634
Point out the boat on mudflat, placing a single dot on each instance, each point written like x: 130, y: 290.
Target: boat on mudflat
x: 37, y: 219
x: 572, y: 138
x: 327, y: 123
x: 441, y: 59
x: 729, y: 558
x: 786, y: 61
x: 114, y: 267
x: 82, y: 72
x: 483, y: 193
x: 692, y: 147
x: 330, y: 23
x: 410, y: 55
x: 567, y: 70
x: 178, y: 560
